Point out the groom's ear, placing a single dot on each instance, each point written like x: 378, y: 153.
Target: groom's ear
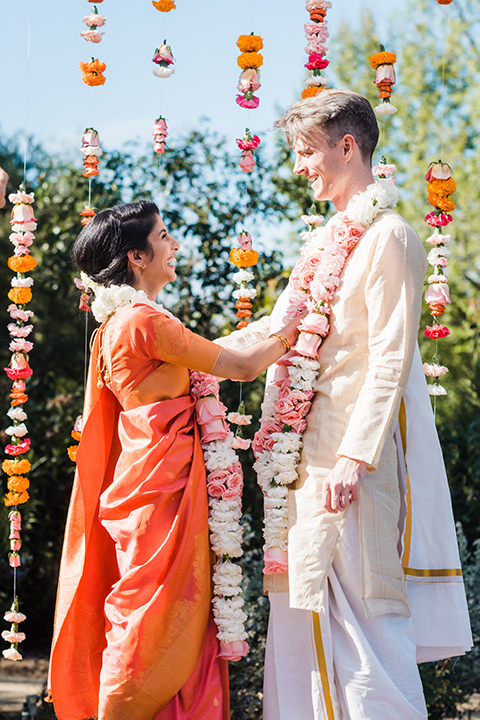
x: 349, y: 143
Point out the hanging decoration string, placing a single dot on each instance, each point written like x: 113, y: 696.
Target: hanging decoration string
x: 316, y: 33
x: 164, y: 61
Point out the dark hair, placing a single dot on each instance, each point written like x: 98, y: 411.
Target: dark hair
x: 101, y: 248
x: 332, y: 114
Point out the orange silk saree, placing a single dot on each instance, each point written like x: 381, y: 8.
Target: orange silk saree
x: 134, y: 638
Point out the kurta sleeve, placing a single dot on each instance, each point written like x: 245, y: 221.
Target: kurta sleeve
x: 253, y: 333
x: 159, y: 336
x: 393, y: 296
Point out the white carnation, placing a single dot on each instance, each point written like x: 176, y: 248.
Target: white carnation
x: 17, y: 430
x: 16, y: 413
x: 287, y: 442
x: 219, y: 455
x: 436, y: 390
x: 244, y: 293
x: 21, y: 282
x: 243, y: 276
x: 227, y: 578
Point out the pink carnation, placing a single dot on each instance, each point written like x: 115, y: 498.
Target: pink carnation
x: 92, y: 35
x: 239, y: 443
x: 20, y: 345
x: 18, y: 373
x: 22, y: 238
x: 316, y: 62
x: 250, y: 104
x: 247, y: 161
x: 434, y: 370
x: 316, y: 30
x: 239, y: 418
x: 436, y: 332
x: 233, y: 651
x: 19, y: 449
x: 19, y: 330
x: 438, y: 220
x: 203, y: 384
x: 248, y: 144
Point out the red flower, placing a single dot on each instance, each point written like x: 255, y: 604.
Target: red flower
x: 435, y: 332
x: 316, y: 62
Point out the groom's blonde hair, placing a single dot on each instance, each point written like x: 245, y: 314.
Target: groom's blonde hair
x: 330, y: 115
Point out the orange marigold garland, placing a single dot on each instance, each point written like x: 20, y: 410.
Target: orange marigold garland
x: 382, y: 62
x: 243, y: 258
x: 23, y: 224
x: 316, y: 33
x: 440, y: 186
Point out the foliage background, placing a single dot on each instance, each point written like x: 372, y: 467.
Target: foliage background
x: 204, y: 198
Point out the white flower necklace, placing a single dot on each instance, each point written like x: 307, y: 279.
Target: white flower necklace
x: 313, y: 283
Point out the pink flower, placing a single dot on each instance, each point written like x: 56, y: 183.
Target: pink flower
x: 248, y: 144
x: 209, y: 408
x: 14, y: 617
x: 263, y: 438
x: 21, y: 197
x: 436, y: 331
x: 434, y: 370
x: 249, y: 80
x: 94, y: 19
x: 22, y: 238
x: 315, y: 323
x: 239, y: 418
x: 308, y: 344
x: 233, y: 651
x: 18, y: 314
x: 316, y: 30
x: 244, y: 102
x: 347, y: 233
x: 385, y: 73
x: 22, y: 214
x: 14, y: 559
x: 11, y: 654
x: 163, y: 55
x: 383, y: 170
x: 299, y: 426
x: 439, y: 171
x: 437, y: 279
x: 15, y: 545
x: 438, y: 239
x: 315, y: 47
x: 239, y: 443
x: 203, y: 384
x: 276, y: 561
x: 438, y: 220
x: 19, y: 330
x: 234, y: 482
x: 20, y: 345
x: 90, y: 138
x: 92, y: 35
x: 316, y: 62
x: 438, y: 293
x: 159, y: 147
x: 215, y: 429
x: 13, y: 637
x: 247, y: 161
x: 160, y: 126
x: 15, y: 520
x: 19, y: 449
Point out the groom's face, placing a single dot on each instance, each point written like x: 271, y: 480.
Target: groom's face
x: 322, y: 165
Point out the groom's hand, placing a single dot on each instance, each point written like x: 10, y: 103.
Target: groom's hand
x: 342, y: 485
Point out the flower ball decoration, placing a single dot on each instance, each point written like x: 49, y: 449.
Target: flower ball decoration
x: 382, y: 62
x: 163, y: 58
x: 316, y: 34
x: 249, y: 60
x: 164, y: 5
x: 92, y: 152
x: 92, y: 72
x: 159, y: 134
x: 247, y: 145
x: 440, y: 186
x: 93, y: 22
x: 243, y: 258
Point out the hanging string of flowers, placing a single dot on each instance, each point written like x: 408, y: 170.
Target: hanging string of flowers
x: 224, y: 486
x: 316, y: 33
x: 250, y: 60
x: 382, y: 62
x: 163, y: 58
x: 91, y: 151
x: 243, y: 258
x: 23, y: 225
x: 384, y: 170
x: 440, y: 186
x: 93, y: 22
x: 160, y: 134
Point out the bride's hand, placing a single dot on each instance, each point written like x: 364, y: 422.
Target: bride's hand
x: 291, y: 331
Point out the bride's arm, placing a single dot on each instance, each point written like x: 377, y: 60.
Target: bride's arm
x: 239, y: 339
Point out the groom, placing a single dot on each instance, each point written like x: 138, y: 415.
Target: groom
x: 374, y: 582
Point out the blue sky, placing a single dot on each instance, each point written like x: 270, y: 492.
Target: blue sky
x: 203, y: 36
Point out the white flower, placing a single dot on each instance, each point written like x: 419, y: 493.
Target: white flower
x: 227, y: 579
x: 287, y: 442
x: 243, y: 275
x: 436, y: 390
x: 434, y: 370
x: 244, y: 293
x: 12, y: 654
x: 12, y: 616
x: 21, y: 282
x: 16, y: 413
x: 17, y: 430
x: 220, y: 454
x: 385, y: 109
x: 163, y: 72
x: 21, y: 197
x: 91, y: 150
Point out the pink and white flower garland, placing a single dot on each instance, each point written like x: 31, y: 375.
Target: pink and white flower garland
x: 316, y: 34
x: 224, y: 486
x: 93, y: 22
x: 159, y: 134
x: 313, y: 283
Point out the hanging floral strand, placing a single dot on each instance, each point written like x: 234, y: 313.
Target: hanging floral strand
x: 164, y: 5
x: 160, y: 134
x: 23, y: 224
x: 93, y: 22
x: 163, y: 58
x: 224, y: 487
x: 91, y: 151
x: 382, y: 62
x: 316, y: 33
x: 248, y: 83
x: 243, y: 258
x: 440, y: 186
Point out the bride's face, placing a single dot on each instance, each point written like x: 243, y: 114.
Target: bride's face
x: 160, y: 265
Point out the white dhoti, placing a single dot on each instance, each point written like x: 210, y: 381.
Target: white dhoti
x: 338, y: 664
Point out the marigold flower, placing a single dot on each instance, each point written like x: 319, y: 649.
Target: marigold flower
x: 92, y: 72
x: 442, y: 187
x: 72, y: 452
x: 164, y: 5
x: 76, y: 435
x: 16, y: 467
x: 20, y: 295
x: 243, y: 258
x: 311, y: 91
x: 382, y: 58
x: 250, y: 43
x: 249, y: 60
x: 22, y: 264
x: 14, y: 498
x: 18, y: 484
